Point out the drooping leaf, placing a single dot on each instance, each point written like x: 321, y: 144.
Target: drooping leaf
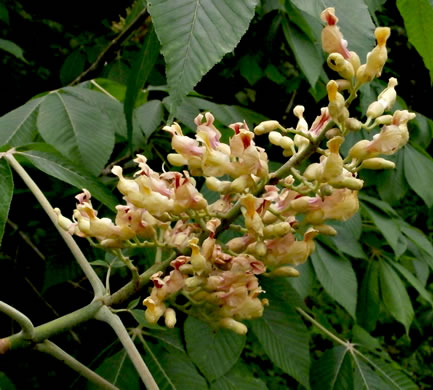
x: 18, y: 127
x: 48, y: 160
x: 369, y: 297
x: 6, y: 193
x: 238, y: 378
x: 250, y: 69
x: 174, y: 370
x: 140, y: 72
x: 195, y: 35
x: 213, y: 352
x: 417, y: 21
x: 283, y: 336
x: 308, y: 56
x: 418, y: 170
x: 413, y: 281
x: 337, y: 277
x: 333, y: 371
x: 170, y: 337
x: 281, y: 289
x: 119, y: 370
x: 12, y: 48
x: 380, y: 204
x: 72, y: 126
x: 148, y: 117
x: 387, y: 226
x: 394, y: 295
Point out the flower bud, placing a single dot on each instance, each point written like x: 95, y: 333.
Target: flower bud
x: 352, y: 183
x: 260, y: 249
x: 177, y: 159
x: 301, y: 142
x: 235, y: 326
x: 217, y: 185
x: 336, y: 107
x: 287, y: 143
x: 326, y: 230
x: 359, y: 151
x: 300, y: 205
x: 302, y: 125
x: 275, y: 137
x: 383, y: 120
x: 343, y: 84
x: 266, y: 127
x: 344, y: 68
x: 334, y: 132
x: 277, y: 229
x: 285, y: 270
x: 353, y: 124
x: 377, y: 163
x: 170, y: 318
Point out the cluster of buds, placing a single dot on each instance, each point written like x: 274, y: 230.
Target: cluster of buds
x: 280, y: 212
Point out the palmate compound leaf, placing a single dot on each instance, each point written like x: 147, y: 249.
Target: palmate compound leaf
x: 284, y: 338
x: 337, y: 277
x: 195, y: 35
x: 213, y: 352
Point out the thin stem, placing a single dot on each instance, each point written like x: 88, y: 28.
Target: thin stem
x: 116, y: 324
x: 134, y: 286
x: 102, y: 89
x: 321, y: 327
x: 27, y: 328
x: 55, y: 351
x: 113, y: 47
x: 97, y: 285
x: 56, y: 326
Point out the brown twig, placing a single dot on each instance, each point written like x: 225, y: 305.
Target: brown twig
x: 111, y: 49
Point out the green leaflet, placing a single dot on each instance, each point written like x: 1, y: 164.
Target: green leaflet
x: 337, y: 277
x: 119, y: 370
x: 173, y: 370
x: 72, y: 126
x: 238, y: 378
x: 213, y: 352
x: 394, y: 295
x: 18, y: 127
x: 137, y: 78
x: 6, y: 193
x: 308, y: 56
x: 369, y: 299
x: 417, y: 21
x: 283, y: 335
x: 388, y: 227
x: 333, y: 371
x: 48, y: 160
x: 12, y: 48
x: 195, y: 35
x: 418, y: 170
